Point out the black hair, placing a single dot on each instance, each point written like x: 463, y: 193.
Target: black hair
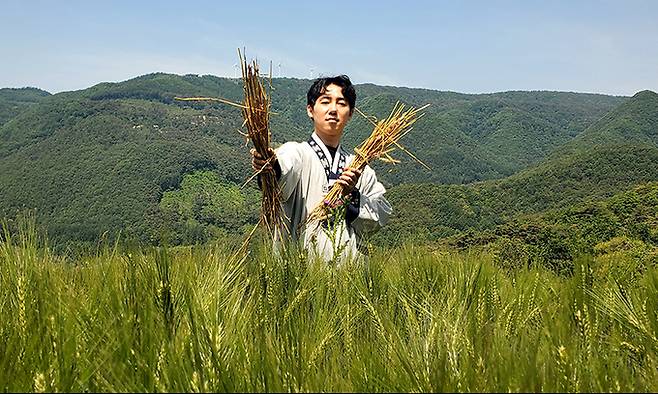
x: 320, y: 85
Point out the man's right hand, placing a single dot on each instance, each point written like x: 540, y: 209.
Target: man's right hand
x: 258, y: 162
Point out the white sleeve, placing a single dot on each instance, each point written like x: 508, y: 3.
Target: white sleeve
x: 290, y: 160
x: 374, y: 209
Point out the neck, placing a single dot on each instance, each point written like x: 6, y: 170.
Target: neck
x: 329, y: 140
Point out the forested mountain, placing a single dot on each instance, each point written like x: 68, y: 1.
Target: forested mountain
x: 93, y: 165
x: 432, y: 211
x: 465, y: 137
x: 626, y: 223
x: 611, y: 156
x: 13, y: 101
x: 635, y: 121
x: 128, y: 157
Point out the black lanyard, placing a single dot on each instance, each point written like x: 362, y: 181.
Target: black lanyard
x: 325, y: 160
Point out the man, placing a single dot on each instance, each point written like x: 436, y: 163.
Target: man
x: 307, y: 170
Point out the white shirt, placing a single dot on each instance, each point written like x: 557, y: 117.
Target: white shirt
x: 304, y: 183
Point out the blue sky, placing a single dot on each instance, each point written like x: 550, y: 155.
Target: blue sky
x: 601, y: 46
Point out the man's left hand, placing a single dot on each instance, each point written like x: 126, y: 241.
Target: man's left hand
x: 348, y: 179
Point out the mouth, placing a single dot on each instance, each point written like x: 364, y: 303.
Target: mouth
x: 332, y: 120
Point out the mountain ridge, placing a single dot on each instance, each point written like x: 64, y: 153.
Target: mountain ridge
x: 103, y: 158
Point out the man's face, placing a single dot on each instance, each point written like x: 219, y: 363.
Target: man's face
x: 331, y: 112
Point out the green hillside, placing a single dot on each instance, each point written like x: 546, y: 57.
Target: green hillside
x: 13, y: 101
x: 104, y: 165
x: 467, y: 138
x: 128, y: 157
x: 635, y: 121
x: 580, y: 172
x: 624, y: 223
x: 433, y: 211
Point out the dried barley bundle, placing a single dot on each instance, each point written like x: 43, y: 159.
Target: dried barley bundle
x: 256, y: 113
x: 381, y: 142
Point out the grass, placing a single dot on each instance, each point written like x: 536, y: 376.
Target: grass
x: 411, y: 319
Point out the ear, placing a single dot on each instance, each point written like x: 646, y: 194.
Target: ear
x: 309, y: 111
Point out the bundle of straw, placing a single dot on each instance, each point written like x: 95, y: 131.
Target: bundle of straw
x: 381, y: 142
x: 256, y: 113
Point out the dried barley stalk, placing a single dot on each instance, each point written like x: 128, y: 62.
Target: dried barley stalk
x: 256, y: 113
x: 381, y: 142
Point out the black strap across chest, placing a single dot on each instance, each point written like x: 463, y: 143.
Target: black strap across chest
x: 327, y: 162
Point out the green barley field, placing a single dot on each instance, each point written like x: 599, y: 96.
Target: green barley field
x: 412, y: 319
